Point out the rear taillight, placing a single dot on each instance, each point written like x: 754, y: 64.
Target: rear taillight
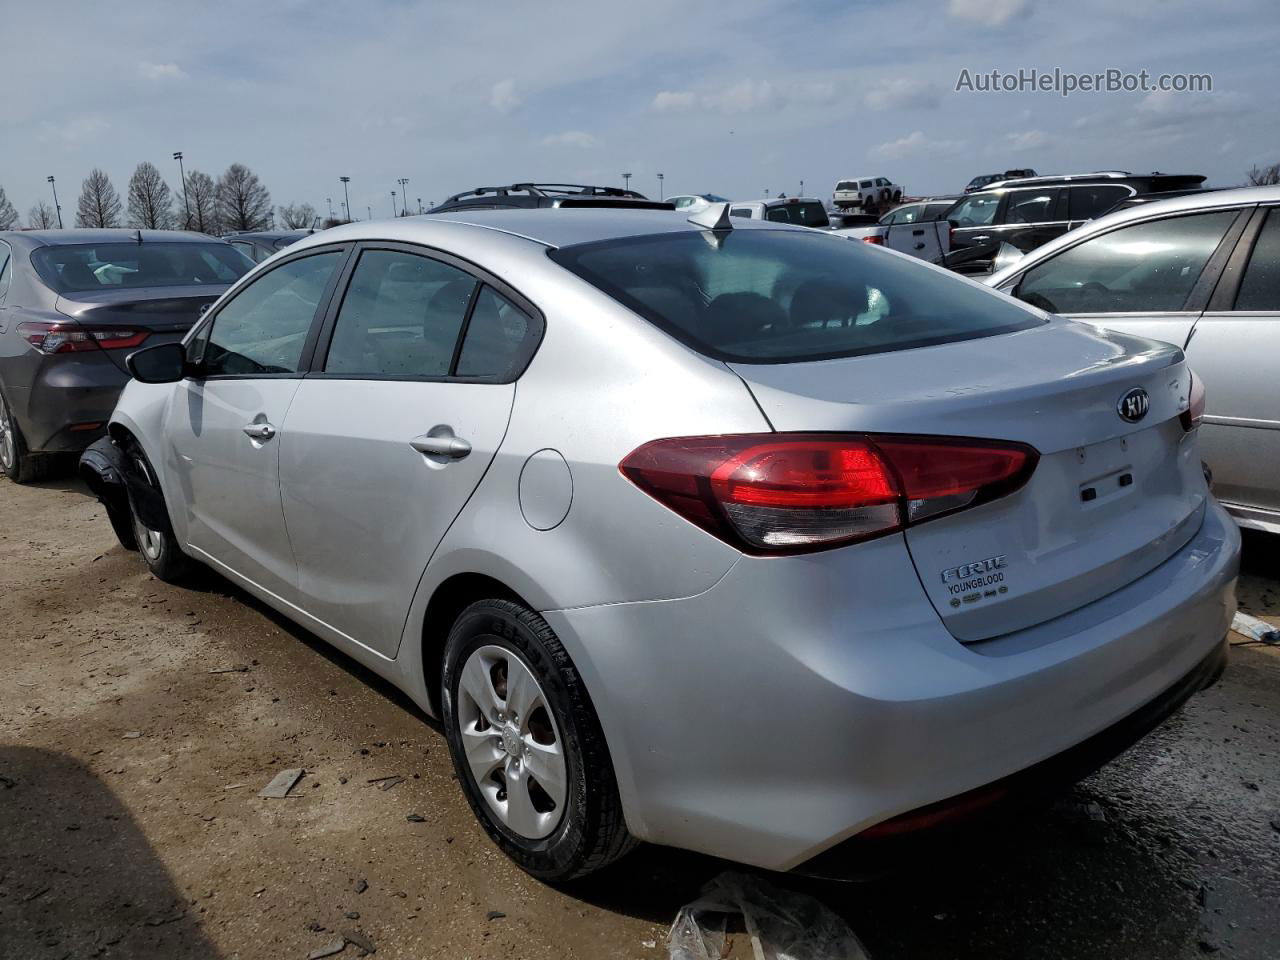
x: 1194, y: 414
x: 874, y: 238
x: 789, y: 493
x: 73, y: 337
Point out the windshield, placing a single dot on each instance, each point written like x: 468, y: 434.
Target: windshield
x: 779, y: 296
x: 75, y: 268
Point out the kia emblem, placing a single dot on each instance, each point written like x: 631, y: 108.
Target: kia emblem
x: 1133, y: 406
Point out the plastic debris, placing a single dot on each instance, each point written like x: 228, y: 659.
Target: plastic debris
x: 782, y: 924
x: 1256, y: 629
x: 328, y: 950
x: 281, y: 784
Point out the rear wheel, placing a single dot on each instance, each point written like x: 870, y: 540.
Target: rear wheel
x: 526, y: 744
x: 159, y: 548
x: 18, y: 464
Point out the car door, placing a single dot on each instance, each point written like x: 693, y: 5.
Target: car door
x: 223, y: 426
x: 1232, y: 349
x: 392, y: 432
x: 1151, y: 278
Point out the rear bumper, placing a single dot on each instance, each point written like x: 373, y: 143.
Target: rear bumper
x: 68, y: 393
x: 802, y: 700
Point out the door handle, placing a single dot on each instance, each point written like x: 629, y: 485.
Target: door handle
x: 259, y: 431
x: 982, y: 239
x: 441, y: 444
x: 918, y: 233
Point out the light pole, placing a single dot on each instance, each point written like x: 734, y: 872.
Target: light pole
x: 419, y: 205
x: 626, y: 181
x: 186, y: 201
x: 393, y: 204
x: 661, y: 194
x: 346, y: 212
x: 801, y: 193
x: 404, y: 195
x: 369, y: 211
x: 346, y: 197
x: 329, y: 201
x: 56, y: 205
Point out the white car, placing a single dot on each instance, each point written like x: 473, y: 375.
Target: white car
x: 859, y: 193
x: 802, y: 211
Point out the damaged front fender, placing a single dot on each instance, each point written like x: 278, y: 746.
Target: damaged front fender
x: 102, y: 468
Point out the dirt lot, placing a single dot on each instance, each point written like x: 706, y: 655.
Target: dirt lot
x: 138, y: 722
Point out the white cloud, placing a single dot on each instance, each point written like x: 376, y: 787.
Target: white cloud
x: 915, y: 144
x: 903, y: 93
x: 72, y: 131
x: 1027, y: 139
x: 744, y: 96
x: 503, y: 97
x: 672, y: 101
x: 570, y: 138
x: 160, y: 71
x: 993, y: 12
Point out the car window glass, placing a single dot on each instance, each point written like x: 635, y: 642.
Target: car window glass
x: 1147, y: 267
x: 889, y: 219
x: 1091, y: 201
x: 777, y: 215
x: 881, y: 182
x: 908, y: 215
x: 76, y: 267
x: 977, y: 210
x: 400, y: 317
x: 1260, y: 288
x: 495, y: 337
x: 865, y: 184
x: 741, y: 212
x: 264, y: 328
x: 1030, y: 206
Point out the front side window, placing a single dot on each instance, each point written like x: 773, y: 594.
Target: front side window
x: 977, y: 210
x: 777, y: 296
x: 264, y: 328
x: 881, y: 182
x: 1148, y: 267
x: 1260, y: 287
x: 80, y: 267
x: 906, y: 215
x: 400, y: 317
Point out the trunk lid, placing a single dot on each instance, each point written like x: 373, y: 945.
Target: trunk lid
x: 162, y: 311
x: 1109, y: 499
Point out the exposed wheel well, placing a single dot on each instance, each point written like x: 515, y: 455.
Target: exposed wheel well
x: 449, y: 600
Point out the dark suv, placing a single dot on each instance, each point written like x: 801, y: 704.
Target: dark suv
x: 1030, y: 211
x: 530, y: 195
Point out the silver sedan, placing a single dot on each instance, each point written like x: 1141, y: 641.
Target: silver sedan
x: 720, y: 534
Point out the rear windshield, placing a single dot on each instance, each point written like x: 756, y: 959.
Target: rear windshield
x: 780, y: 296
x: 801, y: 214
x: 75, y: 268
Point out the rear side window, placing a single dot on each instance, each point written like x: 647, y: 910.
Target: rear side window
x: 1260, y: 288
x: 1088, y: 202
x: 6, y: 270
x: 865, y: 185
x: 79, y: 267
x: 1148, y: 267
x: 1030, y: 206
x: 777, y: 296
x: 400, y: 317
x: 264, y: 328
x: 498, y: 336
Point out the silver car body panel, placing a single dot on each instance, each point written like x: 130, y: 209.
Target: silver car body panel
x: 841, y: 651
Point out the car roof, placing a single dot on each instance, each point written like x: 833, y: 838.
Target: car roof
x: 61, y: 238
x: 1184, y: 203
x: 552, y: 227
x: 269, y: 234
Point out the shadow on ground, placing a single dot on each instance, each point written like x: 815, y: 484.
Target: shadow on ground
x: 77, y: 877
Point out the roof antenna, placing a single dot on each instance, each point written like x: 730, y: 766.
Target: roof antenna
x: 714, y: 216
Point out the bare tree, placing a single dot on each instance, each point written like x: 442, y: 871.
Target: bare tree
x: 42, y: 217
x: 8, y: 215
x: 296, y: 215
x: 243, y: 202
x: 99, y: 204
x: 201, y: 197
x: 149, y: 199
x: 1264, y: 176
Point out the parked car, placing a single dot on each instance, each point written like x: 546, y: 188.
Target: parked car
x: 598, y: 487
x: 1201, y: 272
x: 916, y: 229
x: 694, y: 201
x: 1028, y: 213
x: 861, y: 193
x: 803, y: 211
x: 519, y: 196
x: 72, y: 304
x: 257, y: 246
x: 977, y: 183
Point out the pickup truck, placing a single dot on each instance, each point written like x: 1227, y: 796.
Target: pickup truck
x: 914, y: 228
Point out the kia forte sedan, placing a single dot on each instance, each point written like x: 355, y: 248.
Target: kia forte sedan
x: 73, y: 304
x: 728, y: 535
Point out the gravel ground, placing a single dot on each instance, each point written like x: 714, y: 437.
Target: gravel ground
x: 138, y: 722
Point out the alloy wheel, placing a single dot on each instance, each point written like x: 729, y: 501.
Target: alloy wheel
x: 7, y: 450
x: 512, y: 744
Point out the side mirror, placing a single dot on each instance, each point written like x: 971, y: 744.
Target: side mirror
x: 954, y: 225
x: 163, y: 363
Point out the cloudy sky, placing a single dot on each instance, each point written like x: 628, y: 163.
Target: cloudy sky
x: 734, y: 98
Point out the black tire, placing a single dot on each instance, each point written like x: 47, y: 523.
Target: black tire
x: 159, y: 548
x: 591, y: 832
x: 17, y: 462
